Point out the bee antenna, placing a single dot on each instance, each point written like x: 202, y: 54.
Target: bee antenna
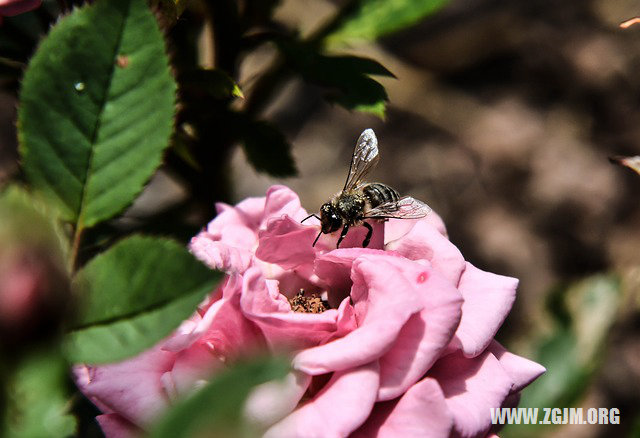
x: 317, y: 237
x: 309, y: 217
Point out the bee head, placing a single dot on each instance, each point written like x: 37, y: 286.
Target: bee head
x: 329, y: 218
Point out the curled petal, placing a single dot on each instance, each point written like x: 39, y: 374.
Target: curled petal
x: 132, y: 388
x: 424, y: 241
x: 422, y: 339
x: 421, y: 412
x: 10, y: 8
x: 471, y: 388
x: 282, y: 200
x: 248, y: 213
x: 386, y: 292
x: 337, y: 410
x: 487, y: 301
x: 522, y: 371
x: 116, y: 426
x: 220, y: 255
x: 334, y: 270
x: 287, y: 242
x: 272, y: 401
x: 193, y: 365
x: 397, y: 228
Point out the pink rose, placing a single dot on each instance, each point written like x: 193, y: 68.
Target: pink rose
x: 9, y: 8
x: 391, y: 340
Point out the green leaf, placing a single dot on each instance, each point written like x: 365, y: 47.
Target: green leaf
x: 216, y: 409
x: 135, y: 294
x: 346, y: 78
x: 267, y: 149
x: 375, y: 18
x: 96, y: 112
x: 37, y: 399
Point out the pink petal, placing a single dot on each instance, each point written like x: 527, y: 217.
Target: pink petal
x: 487, y: 301
x: 334, y: 270
x: 421, y: 412
x: 282, y: 200
x: 249, y: 213
x: 262, y: 303
x: 422, y: 339
x: 272, y: 401
x: 10, y: 8
x: 386, y: 292
x: 339, y: 408
x: 194, y: 365
x: 397, y: 228
x: 471, y: 388
x: 193, y: 329
x: 521, y: 371
x: 219, y: 255
x: 132, y: 388
x: 287, y: 243
x: 424, y: 241
x: 116, y: 426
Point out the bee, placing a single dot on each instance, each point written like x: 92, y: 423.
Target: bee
x: 359, y: 200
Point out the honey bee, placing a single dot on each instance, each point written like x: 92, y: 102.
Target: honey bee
x: 359, y: 200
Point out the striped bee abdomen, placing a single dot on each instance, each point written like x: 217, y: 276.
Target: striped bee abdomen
x: 378, y: 193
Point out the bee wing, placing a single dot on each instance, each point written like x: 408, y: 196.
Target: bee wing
x: 403, y: 208
x: 365, y: 157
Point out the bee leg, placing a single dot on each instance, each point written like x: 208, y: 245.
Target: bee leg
x: 309, y: 217
x: 367, y: 239
x: 343, y: 234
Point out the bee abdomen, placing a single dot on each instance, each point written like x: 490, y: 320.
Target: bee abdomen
x: 378, y: 193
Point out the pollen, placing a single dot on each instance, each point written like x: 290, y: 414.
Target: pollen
x: 308, y: 304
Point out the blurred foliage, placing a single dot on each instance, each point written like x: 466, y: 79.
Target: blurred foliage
x: 38, y: 399
x: 371, y: 19
x: 581, y: 316
x: 218, y: 406
x: 132, y: 296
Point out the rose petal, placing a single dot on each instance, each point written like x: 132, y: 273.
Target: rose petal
x: 287, y: 243
x: 386, y: 292
x: 13, y: 7
x: 422, y: 339
x: 133, y: 387
x: 487, y: 301
x: 219, y: 255
x: 396, y: 228
x: 282, y: 200
x: 248, y: 212
x: 521, y: 371
x: 334, y: 270
x: 116, y: 426
x: 272, y: 401
x: 421, y: 412
x: 424, y: 241
x: 339, y: 408
x: 191, y: 366
x: 471, y: 388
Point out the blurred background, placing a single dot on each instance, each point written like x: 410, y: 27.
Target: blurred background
x: 501, y: 116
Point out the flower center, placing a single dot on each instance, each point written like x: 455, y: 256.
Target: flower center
x: 308, y: 304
